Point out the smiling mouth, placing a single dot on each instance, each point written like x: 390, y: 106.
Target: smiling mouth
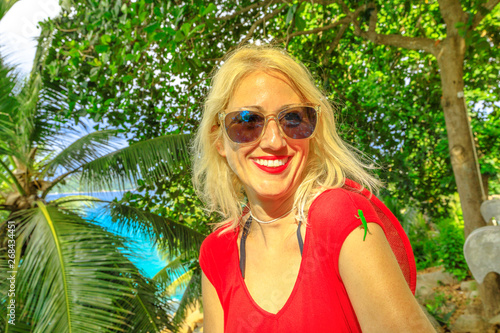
x: 271, y: 163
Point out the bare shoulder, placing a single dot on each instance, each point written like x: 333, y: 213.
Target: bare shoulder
x: 376, y: 286
x: 213, y: 314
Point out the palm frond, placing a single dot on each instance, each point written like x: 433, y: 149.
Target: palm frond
x: 12, y: 177
x: 72, y: 274
x: 5, y: 151
x: 9, y: 105
x: 176, y: 237
x: 179, y: 283
x: 5, y: 5
x: 76, y: 203
x: 84, y: 150
x: 150, y: 160
x: 172, y: 271
x: 148, y: 313
x: 190, y: 298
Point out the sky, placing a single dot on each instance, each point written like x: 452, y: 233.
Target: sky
x: 19, y: 30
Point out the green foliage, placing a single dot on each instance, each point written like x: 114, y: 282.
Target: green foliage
x: 437, y: 307
x: 144, y: 66
x: 173, y: 197
x: 423, y: 240
x: 72, y: 276
x: 450, y: 248
x: 440, y: 242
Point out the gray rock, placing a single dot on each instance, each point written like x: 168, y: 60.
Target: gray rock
x: 468, y: 285
x: 481, y: 250
x: 473, y: 294
x: 490, y: 209
x: 495, y: 320
x: 424, y: 293
x: 436, y: 278
x: 469, y: 323
x: 475, y: 308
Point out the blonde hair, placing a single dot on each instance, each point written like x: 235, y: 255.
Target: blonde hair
x: 330, y: 159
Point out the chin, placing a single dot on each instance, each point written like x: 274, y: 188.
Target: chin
x: 273, y: 192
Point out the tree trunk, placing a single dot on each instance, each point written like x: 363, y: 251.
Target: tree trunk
x: 460, y: 141
x: 486, y: 186
x: 463, y: 154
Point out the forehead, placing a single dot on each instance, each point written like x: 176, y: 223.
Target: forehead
x: 265, y: 90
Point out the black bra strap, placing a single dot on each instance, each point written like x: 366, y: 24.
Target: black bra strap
x: 246, y: 230
x: 299, y: 237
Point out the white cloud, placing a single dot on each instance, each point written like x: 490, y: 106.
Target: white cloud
x: 19, y: 30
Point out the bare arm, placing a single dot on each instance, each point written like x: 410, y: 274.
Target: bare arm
x: 376, y: 287
x: 213, y: 315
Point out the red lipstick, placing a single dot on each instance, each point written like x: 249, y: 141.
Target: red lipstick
x: 273, y: 169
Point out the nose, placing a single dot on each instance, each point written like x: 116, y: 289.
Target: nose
x: 272, y: 137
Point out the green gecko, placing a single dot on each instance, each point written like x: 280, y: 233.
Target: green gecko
x: 363, y: 220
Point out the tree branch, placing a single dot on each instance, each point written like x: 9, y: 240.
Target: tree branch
x: 481, y: 14
x: 258, y: 22
x: 342, y: 4
x: 337, y: 39
x: 350, y: 17
x: 243, y: 10
x: 344, y: 21
x: 66, y: 30
x: 452, y: 13
x: 411, y: 43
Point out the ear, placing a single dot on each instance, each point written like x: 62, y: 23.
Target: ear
x: 219, y: 144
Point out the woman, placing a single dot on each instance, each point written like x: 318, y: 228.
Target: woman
x: 294, y: 254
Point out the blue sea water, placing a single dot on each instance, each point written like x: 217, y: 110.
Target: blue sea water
x: 138, y: 247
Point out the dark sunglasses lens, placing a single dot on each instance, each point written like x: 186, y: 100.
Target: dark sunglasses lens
x: 244, y: 126
x: 299, y: 122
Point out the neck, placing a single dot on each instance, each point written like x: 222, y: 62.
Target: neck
x: 273, y: 220
x: 268, y: 209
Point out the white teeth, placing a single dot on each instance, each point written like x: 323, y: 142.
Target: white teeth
x: 271, y: 163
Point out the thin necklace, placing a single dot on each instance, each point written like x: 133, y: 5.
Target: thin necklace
x: 274, y: 220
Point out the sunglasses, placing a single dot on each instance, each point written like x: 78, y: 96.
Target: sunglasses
x: 296, y: 121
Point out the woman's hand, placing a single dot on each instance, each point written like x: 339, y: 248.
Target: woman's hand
x: 376, y: 286
x: 213, y: 314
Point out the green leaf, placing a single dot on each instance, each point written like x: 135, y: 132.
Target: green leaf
x: 160, y: 36
x: 174, y: 236
x: 127, y: 78
x: 105, y: 39
x: 76, y: 281
x: 300, y: 23
x: 185, y: 28
x: 291, y: 12
x: 152, y: 27
x: 152, y: 159
x: 210, y: 8
x: 101, y: 48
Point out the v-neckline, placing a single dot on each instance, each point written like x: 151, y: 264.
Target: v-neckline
x: 295, y: 286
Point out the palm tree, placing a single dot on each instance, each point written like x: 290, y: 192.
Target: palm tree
x: 67, y: 273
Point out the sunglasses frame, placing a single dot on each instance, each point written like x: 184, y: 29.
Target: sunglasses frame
x: 316, y: 107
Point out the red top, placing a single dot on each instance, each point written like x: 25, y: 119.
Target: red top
x: 319, y: 301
